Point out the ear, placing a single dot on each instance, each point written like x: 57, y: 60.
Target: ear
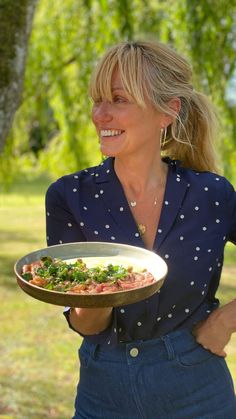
x: 175, y: 105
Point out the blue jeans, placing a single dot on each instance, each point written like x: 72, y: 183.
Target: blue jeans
x: 171, y: 377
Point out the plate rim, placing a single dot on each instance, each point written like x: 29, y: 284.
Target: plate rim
x: 91, y: 296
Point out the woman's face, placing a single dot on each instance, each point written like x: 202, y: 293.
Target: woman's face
x: 123, y: 127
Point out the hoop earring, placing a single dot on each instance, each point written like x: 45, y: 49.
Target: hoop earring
x: 163, y: 137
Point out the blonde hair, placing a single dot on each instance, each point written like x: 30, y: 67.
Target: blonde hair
x: 153, y: 71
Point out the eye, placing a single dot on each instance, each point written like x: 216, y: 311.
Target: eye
x: 96, y: 102
x: 119, y: 99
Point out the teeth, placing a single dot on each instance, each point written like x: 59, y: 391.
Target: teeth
x: 110, y: 132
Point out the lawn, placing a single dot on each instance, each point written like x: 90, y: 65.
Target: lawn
x: 38, y: 353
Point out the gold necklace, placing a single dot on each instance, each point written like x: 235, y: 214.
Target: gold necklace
x: 142, y: 228
x: 134, y: 203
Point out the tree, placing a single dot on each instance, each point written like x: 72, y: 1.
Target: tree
x: 15, y: 23
x: 52, y: 127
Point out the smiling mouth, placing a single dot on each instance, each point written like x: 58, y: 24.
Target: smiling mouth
x: 110, y: 132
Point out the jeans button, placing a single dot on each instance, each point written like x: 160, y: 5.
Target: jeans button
x: 134, y: 352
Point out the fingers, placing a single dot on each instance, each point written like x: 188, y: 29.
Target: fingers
x: 210, y: 346
x: 219, y: 352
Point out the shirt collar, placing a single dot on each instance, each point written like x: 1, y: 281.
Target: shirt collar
x: 105, y: 171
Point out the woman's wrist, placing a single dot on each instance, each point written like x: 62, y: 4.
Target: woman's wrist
x: 90, y: 321
x: 227, y: 316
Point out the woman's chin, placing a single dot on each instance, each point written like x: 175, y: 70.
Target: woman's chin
x: 109, y: 151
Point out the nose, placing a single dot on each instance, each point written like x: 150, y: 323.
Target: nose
x: 101, y: 112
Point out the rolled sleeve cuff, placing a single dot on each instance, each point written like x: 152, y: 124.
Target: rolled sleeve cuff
x: 107, y: 336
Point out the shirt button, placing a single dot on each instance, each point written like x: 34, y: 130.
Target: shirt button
x: 134, y: 352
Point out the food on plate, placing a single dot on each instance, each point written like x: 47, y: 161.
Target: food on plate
x: 77, y: 277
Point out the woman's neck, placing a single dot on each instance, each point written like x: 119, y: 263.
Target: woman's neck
x: 141, y: 176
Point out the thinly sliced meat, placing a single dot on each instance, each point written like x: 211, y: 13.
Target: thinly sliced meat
x: 91, y: 285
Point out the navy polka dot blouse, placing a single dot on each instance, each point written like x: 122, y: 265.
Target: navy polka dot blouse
x: 198, y: 217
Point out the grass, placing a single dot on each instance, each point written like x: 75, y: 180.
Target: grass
x: 38, y: 353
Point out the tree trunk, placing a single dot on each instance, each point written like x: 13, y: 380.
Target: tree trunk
x: 15, y: 26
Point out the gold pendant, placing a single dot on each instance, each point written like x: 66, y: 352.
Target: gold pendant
x: 142, y: 229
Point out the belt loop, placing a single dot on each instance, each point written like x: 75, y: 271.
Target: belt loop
x: 169, y: 347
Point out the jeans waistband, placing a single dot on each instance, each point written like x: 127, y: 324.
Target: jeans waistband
x: 164, y: 347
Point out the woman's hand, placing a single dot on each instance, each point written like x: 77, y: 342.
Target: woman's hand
x: 215, y: 332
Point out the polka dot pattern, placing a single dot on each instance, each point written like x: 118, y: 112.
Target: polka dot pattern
x: 192, y: 231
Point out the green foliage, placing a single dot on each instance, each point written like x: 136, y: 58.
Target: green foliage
x: 211, y: 35
x: 68, y: 37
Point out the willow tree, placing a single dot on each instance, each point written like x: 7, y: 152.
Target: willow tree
x: 212, y: 37
x: 53, y: 126
x: 15, y: 27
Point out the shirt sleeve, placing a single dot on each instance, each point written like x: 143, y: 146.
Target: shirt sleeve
x: 61, y: 227
x: 100, y: 338
x: 231, y: 211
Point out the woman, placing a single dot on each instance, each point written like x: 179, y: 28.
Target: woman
x: 162, y: 357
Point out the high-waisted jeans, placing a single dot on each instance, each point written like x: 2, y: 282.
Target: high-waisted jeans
x: 171, y: 377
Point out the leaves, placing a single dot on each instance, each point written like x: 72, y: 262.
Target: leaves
x: 54, y: 124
